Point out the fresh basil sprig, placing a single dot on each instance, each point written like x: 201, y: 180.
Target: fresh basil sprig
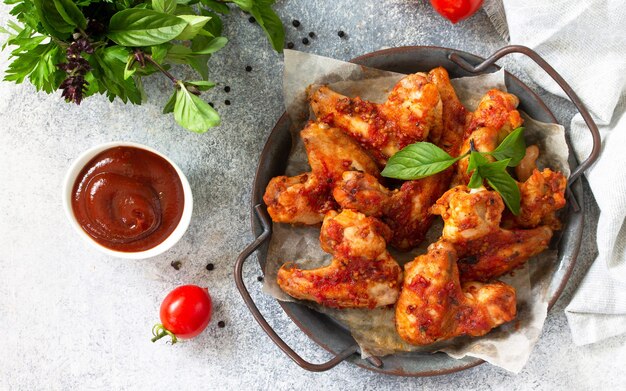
x: 87, y: 47
x: 423, y: 159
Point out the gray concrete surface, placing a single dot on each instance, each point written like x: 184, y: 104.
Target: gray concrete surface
x: 72, y: 318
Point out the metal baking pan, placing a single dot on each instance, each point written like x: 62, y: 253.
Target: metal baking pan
x: 325, y: 331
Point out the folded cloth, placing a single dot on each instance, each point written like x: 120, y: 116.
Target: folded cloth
x: 585, y: 41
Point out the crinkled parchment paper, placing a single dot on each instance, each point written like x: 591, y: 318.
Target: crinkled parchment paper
x: 508, y: 346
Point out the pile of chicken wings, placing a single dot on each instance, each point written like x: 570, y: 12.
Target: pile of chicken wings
x: 451, y: 290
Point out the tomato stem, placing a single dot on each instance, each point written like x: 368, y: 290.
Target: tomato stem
x: 158, y: 331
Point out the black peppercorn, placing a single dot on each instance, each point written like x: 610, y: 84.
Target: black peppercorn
x: 305, y: 41
x: 251, y: 19
x: 312, y: 34
x: 295, y: 23
x: 227, y: 102
x: 290, y: 45
x: 211, y: 104
x: 221, y: 324
x: 210, y: 266
x: 248, y: 68
x: 176, y: 264
x: 259, y: 278
x: 227, y: 89
x: 341, y: 33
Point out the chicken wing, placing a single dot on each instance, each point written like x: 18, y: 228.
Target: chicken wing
x: 413, y: 110
x: 542, y: 195
x: 361, y: 274
x: 405, y: 210
x: 434, y: 306
x: 472, y: 224
x: 305, y: 199
x: 454, y: 114
x: 493, y: 120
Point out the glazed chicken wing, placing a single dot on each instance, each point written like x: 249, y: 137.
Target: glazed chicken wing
x: 305, y: 198
x: 542, y: 195
x: 412, y: 111
x: 405, y: 210
x: 472, y: 224
x: 454, y: 114
x: 434, y: 306
x: 361, y: 274
x: 493, y: 120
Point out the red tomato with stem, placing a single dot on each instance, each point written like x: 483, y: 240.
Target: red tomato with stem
x: 456, y: 10
x: 185, y: 313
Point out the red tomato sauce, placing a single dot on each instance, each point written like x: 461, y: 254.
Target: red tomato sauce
x: 128, y: 199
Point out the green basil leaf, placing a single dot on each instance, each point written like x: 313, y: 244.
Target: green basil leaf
x: 271, y: 24
x: 143, y: 27
x: 475, y: 160
x: 499, y: 179
x: 159, y: 52
x: 418, y: 160
x: 202, y: 85
x: 129, y: 69
x: 476, y: 180
x: 245, y: 5
x: 169, y: 106
x: 193, y: 113
x: 512, y: 147
x: 71, y: 13
x: 210, y: 46
x: 51, y: 20
x: 165, y: 6
x: 195, y: 23
x: 216, y: 6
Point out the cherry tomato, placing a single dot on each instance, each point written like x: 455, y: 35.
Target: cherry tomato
x: 185, y: 313
x: 456, y: 10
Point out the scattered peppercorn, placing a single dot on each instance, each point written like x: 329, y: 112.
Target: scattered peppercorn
x: 251, y: 19
x: 221, y: 324
x: 290, y: 45
x: 210, y: 266
x: 341, y: 33
x: 176, y: 264
x: 305, y: 41
x: 211, y: 104
x: 259, y: 278
x: 312, y: 34
x: 227, y: 89
x: 227, y: 102
x: 248, y: 68
x: 295, y: 23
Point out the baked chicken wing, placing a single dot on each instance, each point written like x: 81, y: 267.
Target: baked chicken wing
x: 493, y: 120
x: 412, y: 111
x: 305, y: 198
x: 361, y: 274
x: 404, y: 210
x: 472, y: 224
x: 434, y: 306
x: 454, y: 114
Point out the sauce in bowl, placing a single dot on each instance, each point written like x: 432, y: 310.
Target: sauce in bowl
x: 128, y: 199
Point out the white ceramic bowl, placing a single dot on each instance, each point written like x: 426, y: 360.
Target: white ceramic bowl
x: 68, y: 185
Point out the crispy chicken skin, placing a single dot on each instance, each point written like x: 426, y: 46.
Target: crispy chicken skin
x: 495, y: 117
x: 305, y: 198
x: 434, y: 306
x: 472, y: 224
x: 361, y: 274
x: 405, y: 210
x: 412, y: 110
x: 454, y: 114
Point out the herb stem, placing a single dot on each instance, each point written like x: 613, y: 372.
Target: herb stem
x: 158, y: 66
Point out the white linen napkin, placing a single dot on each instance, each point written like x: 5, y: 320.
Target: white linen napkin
x: 585, y: 41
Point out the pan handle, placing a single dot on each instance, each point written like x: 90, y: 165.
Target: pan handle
x: 245, y: 254
x: 595, y: 134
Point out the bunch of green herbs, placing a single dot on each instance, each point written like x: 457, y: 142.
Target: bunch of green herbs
x: 87, y: 47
